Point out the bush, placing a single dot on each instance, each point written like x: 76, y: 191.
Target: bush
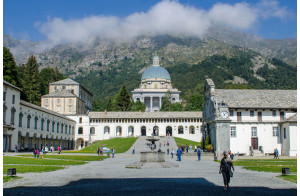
x: 209, y: 147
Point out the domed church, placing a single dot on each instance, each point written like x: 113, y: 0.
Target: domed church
x: 155, y: 83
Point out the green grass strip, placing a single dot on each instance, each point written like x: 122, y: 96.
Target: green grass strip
x: 32, y: 161
x: 275, y: 169
x: 183, y: 142
x: 291, y: 178
x: 72, y: 157
x: 9, y: 178
x: 120, y: 145
x: 30, y: 168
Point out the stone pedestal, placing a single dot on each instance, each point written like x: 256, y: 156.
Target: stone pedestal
x: 152, y: 156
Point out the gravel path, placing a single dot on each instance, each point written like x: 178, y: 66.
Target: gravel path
x: 196, y: 177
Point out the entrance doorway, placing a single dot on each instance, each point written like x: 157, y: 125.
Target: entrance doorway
x: 143, y: 131
x: 169, y: 130
x: 254, y: 143
x: 155, y: 130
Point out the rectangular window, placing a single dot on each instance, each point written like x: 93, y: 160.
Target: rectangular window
x: 63, y: 87
x: 4, y: 116
x: 259, y: 116
x: 70, y: 101
x: 28, y: 122
x: 251, y: 113
x: 58, y: 108
x: 53, y: 126
x: 20, y: 119
x: 70, y: 108
x: 42, y: 124
x: 12, y: 117
x: 281, y: 115
x: 239, y: 116
x: 231, y: 112
x: 275, y: 131
x: 58, y: 100
x: 233, y: 131
x: 13, y: 99
x: 254, y: 131
x: 46, y: 100
x: 4, y: 96
x: 284, y: 133
x: 80, y: 120
x: 274, y: 113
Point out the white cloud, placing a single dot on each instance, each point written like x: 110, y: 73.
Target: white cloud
x: 166, y: 17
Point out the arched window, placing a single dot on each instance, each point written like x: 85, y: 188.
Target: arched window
x: 192, y: 130
x: 92, y: 130
x: 53, y: 123
x: 57, y: 128
x: 106, y: 130
x: 48, y: 124
x: 35, y: 122
x: 62, y: 128
x: 180, y: 130
x: 66, y: 128
x: 4, y: 111
x: 72, y: 130
x: 80, y: 130
x: 20, y: 119
x: 69, y: 129
x: 28, y: 121
x: 42, y: 124
x: 12, y: 116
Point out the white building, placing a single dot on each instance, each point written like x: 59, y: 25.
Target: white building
x: 155, y: 84
x: 106, y: 125
x: 251, y: 121
x: 29, y: 126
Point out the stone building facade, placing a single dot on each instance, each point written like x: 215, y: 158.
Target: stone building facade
x: 250, y: 121
x: 155, y: 84
x: 67, y: 97
x: 29, y: 126
x: 106, y: 125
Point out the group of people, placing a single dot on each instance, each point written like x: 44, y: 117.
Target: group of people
x: 45, y: 149
x: 99, y: 151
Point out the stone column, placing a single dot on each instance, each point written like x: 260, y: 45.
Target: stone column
x: 151, y: 99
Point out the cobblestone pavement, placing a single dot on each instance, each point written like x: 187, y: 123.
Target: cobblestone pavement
x: 110, y: 177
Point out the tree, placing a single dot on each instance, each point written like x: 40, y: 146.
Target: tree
x: 137, y: 106
x: 48, y: 75
x: 176, y: 107
x: 166, y: 102
x: 10, y: 73
x: 195, y: 99
x: 30, y: 81
x: 98, y: 105
x: 123, y: 100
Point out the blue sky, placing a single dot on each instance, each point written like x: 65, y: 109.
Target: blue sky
x: 56, y: 20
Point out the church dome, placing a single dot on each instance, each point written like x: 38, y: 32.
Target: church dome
x: 156, y: 72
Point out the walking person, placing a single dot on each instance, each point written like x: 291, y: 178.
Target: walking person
x: 179, y: 152
x: 191, y: 148
x: 168, y: 151
x: 172, y: 153
x: 58, y: 150
x: 37, y: 153
x: 225, y: 169
x: 276, y: 153
x: 34, y: 153
x: 113, y: 153
x: 16, y: 148
x: 199, y: 154
x: 187, y: 148
x: 98, y: 151
x: 133, y: 150
x: 101, y: 152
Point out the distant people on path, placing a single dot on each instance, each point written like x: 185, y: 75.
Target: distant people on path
x: 191, y: 148
x: 133, y: 150
x: 179, y: 152
x: 113, y: 153
x: 16, y: 148
x: 168, y: 151
x: 231, y: 155
x: 199, y: 154
x: 101, y: 151
x: 225, y: 168
x: 34, y: 153
x: 46, y: 149
x: 159, y: 150
x: 58, y: 149
x: 195, y: 149
x: 164, y: 143
x: 172, y: 153
x: 276, y: 153
x: 187, y: 148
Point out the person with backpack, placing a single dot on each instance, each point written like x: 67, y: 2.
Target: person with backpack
x: 199, y: 154
x: 225, y: 168
x: 172, y: 153
x: 34, y: 153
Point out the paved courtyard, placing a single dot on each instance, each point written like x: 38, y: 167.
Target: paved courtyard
x: 110, y: 177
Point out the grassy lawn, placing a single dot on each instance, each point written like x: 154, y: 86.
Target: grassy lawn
x: 30, y: 168
x: 119, y: 144
x: 9, y: 178
x: 71, y: 157
x: 32, y: 161
x: 270, y: 165
x: 183, y: 142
